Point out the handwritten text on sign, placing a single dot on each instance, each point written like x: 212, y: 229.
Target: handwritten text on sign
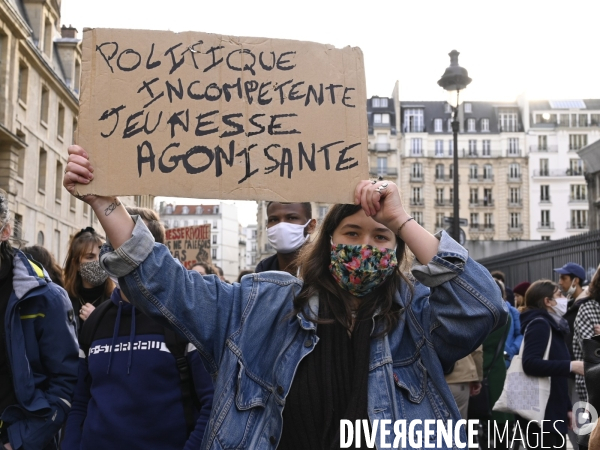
x: 190, y: 245
x: 195, y: 114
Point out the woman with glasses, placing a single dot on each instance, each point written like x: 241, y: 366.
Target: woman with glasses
x: 86, y: 282
x: 541, y: 321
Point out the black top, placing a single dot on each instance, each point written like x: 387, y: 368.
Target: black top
x: 270, y: 263
x: 94, y: 295
x: 7, y: 392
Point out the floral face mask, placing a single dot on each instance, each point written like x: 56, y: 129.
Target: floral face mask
x: 361, y: 268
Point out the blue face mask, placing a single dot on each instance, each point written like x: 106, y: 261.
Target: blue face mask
x: 361, y: 268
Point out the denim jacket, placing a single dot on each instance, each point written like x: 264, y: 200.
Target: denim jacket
x: 252, y: 344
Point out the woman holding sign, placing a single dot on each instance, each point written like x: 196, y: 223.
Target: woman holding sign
x: 298, y: 362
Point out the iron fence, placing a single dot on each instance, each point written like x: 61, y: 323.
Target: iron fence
x: 537, y: 262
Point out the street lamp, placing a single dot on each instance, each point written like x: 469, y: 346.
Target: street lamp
x: 455, y: 79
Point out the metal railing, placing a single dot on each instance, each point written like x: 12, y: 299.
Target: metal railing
x: 481, y: 179
x: 513, y: 178
x: 415, y: 177
x: 444, y: 179
x: 515, y: 203
x: 577, y: 225
x: 515, y: 228
x: 575, y: 199
x: 482, y: 228
x: 382, y: 147
x: 417, y: 202
x: 538, y: 262
x: 545, y: 225
x: 558, y: 173
x: 543, y: 148
x: 443, y: 202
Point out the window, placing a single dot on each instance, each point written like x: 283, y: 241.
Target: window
x: 382, y: 166
x: 578, y: 192
x: 448, y: 108
x: 21, y: 163
x: 417, y: 170
x: 515, y: 220
x: 542, y: 143
x: 471, y: 128
x: 474, y: 220
x: 439, y: 147
x: 58, y: 188
x: 23, y: 81
x: 18, y: 228
x: 439, y: 196
x: 451, y: 147
x: 418, y: 216
x: 575, y: 167
x: 77, y: 76
x: 544, y: 172
x: 413, y: 120
x: 583, y: 120
x: 40, y: 238
x: 416, y: 146
x: 513, y: 146
x: 468, y: 108
x: 214, y: 224
x: 417, y: 196
x: 86, y: 210
x: 486, y: 147
x: 472, y: 147
x: 488, y: 220
x: 474, y: 196
x: 515, y: 196
x: 214, y: 238
x: 438, y: 125
x: 439, y: 171
x: 384, y: 102
x: 48, y: 38
x: 57, y: 245
x: 376, y: 102
x: 545, y: 193
x: 488, y: 172
x: 43, y: 156
x: 60, y: 126
x: 383, y: 119
x: 72, y: 203
x: 185, y: 210
x: 323, y: 210
x: 545, y: 238
x: 578, y: 219
x: 214, y: 253
x: 473, y: 168
x: 577, y: 141
x: 449, y: 125
x: 439, y: 220
x: 44, y: 105
x: 485, y: 124
x: 545, y: 218
x: 488, y: 199
x: 514, y: 170
x: 451, y: 195
x: 508, y: 121
x: 451, y: 171
x: 564, y: 120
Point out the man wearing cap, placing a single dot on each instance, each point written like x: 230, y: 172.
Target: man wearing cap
x: 571, y: 278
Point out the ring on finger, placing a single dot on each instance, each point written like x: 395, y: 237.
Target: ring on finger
x: 373, y: 181
x: 381, y: 188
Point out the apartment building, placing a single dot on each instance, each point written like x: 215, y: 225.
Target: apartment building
x: 493, y: 167
x: 558, y: 189
x: 225, y: 232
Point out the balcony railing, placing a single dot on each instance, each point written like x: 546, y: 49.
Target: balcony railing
x: 543, y: 148
x: 514, y: 228
x: 514, y: 178
x: 481, y: 179
x: 443, y: 202
x: 546, y: 199
x: 414, y: 129
x: 515, y: 203
x: 481, y: 228
x: 382, y: 146
x: 481, y: 204
x: 581, y: 225
x: 383, y: 172
x: 416, y: 177
x: 445, y: 179
x: 515, y: 152
x: 545, y: 225
x: 417, y: 202
x: 576, y: 199
x: 558, y: 173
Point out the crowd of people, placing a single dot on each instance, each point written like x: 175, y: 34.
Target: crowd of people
x: 123, y: 348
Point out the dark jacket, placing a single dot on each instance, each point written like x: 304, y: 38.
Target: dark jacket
x: 42, y: 350
x: 129, y: 384
x: 538, y: 324
x: 270, y: 263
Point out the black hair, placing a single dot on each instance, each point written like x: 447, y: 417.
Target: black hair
x: 306, y: 206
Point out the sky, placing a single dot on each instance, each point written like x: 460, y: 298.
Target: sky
x: 547, y: 49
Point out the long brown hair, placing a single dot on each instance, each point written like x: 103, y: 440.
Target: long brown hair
x: 314, y: 262
x: 537, y: 292
x: 78, y: 246
x: 594, y: 287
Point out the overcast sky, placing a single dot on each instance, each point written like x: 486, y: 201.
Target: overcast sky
x: 547, y: 48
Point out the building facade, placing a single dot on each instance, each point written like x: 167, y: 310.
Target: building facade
x: 225, y: 233
x: 382, y: 116
x: 591, y: 157
x: 558, y: 189
x: 493, y: 167
x: 251, y: 247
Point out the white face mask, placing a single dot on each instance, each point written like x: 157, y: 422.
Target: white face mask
x: 287, y: 237
x: 572, y: 289
x: 561, y: 306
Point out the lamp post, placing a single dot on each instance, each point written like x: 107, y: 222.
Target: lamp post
x: 455, y: 79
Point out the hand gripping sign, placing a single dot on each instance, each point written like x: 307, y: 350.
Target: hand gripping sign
x: 203, y: 115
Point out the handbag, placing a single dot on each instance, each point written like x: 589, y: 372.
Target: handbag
x: 479, y: 405
x: 522, y: 394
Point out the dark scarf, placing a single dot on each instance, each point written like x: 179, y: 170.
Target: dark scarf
x: 330, y: 384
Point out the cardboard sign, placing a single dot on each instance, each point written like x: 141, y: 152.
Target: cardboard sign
x: 190, y: 245
x: 209, y: 116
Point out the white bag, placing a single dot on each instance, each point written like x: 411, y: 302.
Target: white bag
x: 522, y: 394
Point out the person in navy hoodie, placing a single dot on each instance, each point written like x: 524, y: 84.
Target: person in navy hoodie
x: 543, y: 317
x: 38, y: 349
x: 131, y: 392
